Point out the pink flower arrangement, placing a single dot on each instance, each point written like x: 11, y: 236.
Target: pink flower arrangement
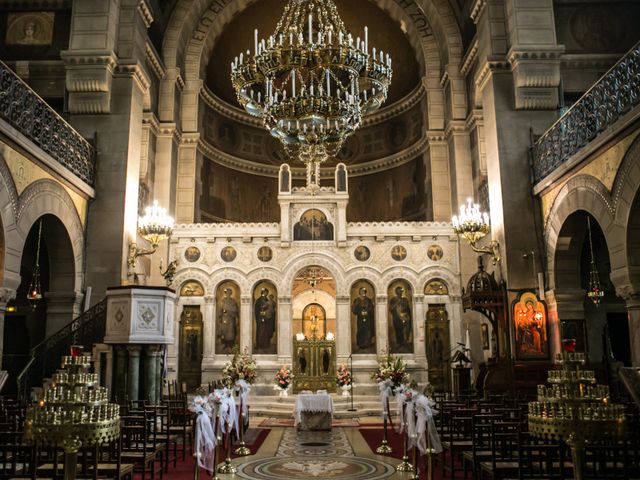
x: 283, y: 377
x: 241, y: 367
x: 343, y: 376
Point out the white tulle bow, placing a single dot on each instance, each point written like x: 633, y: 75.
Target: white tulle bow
x: 205, y: 436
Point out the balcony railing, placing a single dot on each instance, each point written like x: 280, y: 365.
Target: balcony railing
x: 611, y: 97
x: 25, y: 111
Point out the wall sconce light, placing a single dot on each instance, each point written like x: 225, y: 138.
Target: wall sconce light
x: 474, y: 225
x: 154, y: 227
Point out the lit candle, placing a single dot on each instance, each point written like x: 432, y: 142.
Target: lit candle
x: 255, y: 41
x: 366, y: 39
x: 328, y: 83
x: 293, y: 83
x: 310, y: 28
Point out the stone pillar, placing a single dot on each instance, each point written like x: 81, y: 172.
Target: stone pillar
x: 101, y: 101
x: 563, y: 306
x: 518, y: 94
x: 440, y: 187
x: 209, y: 327
x: 382, y: 332
x: 159, y: 358
x: 152, y: 374
x: 121, y: 373
x: 633, y: 314
x: 246, y: 324
x: 285, y: 335
x: 6, y: 294
x: 343, y: 327
x: 418, y: 327
x: 133, y: 378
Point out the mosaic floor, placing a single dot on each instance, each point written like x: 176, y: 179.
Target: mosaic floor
x: 339, y: 454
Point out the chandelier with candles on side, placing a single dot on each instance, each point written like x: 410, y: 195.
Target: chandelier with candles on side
x: 311, y: 81
x: 474, y: 225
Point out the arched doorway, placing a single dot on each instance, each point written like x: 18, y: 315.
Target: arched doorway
x: 26, y: 325
x: 582, y: 251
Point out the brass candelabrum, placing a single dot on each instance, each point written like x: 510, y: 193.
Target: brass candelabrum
x: 575, y: 409
x: 73, y: 412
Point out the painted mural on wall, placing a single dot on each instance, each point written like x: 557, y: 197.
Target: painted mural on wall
x: 265, y: 314
x: 436, y: 287
x: 400, y: 317
x: 313, y: 225
x: 227, y: 317
x: 530, y: 317
x: 192, y: 288
x: 363, y: 317
x: 30, y: 28
x: 191, y: 346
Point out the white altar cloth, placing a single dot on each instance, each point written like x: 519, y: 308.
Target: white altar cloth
x: 313, y: 402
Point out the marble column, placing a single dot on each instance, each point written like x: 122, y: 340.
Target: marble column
x: 133, y: 380
x: 382, y: 332
x: 151, y: 373
x: 209, y: 329
x: 285, y: 335
x: 418, y: 327
x: 633, y: 314
x: 158, y: 360
x: 121, y: 373
x: 246, y: 330
x: 343, y: 327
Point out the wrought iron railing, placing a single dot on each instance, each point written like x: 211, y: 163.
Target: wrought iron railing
x: 25, y: 111
x: 612, y: 96
x: 87, y: 329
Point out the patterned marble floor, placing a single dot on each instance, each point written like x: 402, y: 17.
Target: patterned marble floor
x: 340, y: 454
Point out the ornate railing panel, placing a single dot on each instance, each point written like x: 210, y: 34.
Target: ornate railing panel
x: 25, y: 111
x: 87, y: 329
x: 615, y: 94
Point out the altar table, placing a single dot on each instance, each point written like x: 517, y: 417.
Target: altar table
x: 313, y: 411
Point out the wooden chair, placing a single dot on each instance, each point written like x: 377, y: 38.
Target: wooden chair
x: 504, y: 461
x: 135, y: 445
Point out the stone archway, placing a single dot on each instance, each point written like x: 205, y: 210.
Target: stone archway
x: 64, y: 232
x: 580, y: 240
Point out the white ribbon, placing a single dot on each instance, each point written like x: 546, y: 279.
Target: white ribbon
x: 426, y: 425
x: 244, y: 388
x: 205, y: 436
x: 385, y: 393
x: 228, y: 412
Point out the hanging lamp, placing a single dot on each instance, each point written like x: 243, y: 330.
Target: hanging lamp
x: 34, y: 295
x: 595, y: 292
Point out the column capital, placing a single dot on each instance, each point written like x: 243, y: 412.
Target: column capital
x: 6, y: 295
x: 134, y: 350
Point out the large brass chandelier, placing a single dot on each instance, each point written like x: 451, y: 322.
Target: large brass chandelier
x: 311, y: 81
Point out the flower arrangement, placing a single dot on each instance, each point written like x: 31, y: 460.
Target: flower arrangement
x: 241, y: 367
x: 343, y: 376
x: 283, y: 377
x: 392, y: 371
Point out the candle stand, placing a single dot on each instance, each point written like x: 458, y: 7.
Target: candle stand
x: 575, y: 409
x: 73, y: 412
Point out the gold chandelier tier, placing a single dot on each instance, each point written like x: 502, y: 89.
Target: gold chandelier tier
x: 575, y: 409
x: 311, y: 81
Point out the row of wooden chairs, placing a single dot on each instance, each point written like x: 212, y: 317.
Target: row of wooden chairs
x: 489, y: 438
x: 152, y: 438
